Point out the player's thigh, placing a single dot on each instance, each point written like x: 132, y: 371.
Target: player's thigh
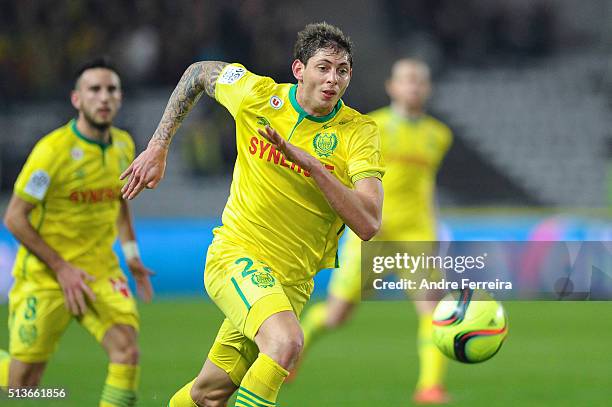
x: 37, y: 320
x: 243, y: 286
x: 114, y: 305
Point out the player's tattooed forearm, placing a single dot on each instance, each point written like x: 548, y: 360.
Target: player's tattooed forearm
x: 198, y: 78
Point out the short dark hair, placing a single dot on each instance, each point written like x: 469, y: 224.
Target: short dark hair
x: 98, y: 62
x: 321, y: 36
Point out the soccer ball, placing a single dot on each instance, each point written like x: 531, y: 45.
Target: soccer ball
x: 469, y: 326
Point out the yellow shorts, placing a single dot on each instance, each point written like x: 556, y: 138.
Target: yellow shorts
x: 345, y: 282
x: 38, y: 318
x: 248, y: 292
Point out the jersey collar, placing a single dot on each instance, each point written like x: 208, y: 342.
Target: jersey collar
x: 412, y: 120
x: 80, y: 135
x: 304, y: 114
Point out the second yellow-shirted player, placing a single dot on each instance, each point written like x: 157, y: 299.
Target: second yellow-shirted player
x: 67, y: 211
x: 413, y: 145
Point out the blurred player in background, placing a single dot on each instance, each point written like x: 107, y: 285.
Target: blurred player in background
x: 66, y: 210
x: 414, y: 145
x: 288, y: 206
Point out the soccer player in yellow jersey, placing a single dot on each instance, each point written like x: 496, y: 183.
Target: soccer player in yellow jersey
x: 307, y: 165
x: 413, y: 145
x: 66, y: 210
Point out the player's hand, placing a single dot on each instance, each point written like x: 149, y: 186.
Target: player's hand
x: 76, y: 291
x: 142, y: 276
x: 291, y: 152
x: 146, y: 171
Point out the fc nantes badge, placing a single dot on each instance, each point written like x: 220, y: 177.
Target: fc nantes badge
x: 325, y: 143
x: 28, y: 334
x: 263, y: 279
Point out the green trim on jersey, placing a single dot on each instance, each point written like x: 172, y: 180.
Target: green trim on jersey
x: 100, y: 144
x: 302, y: 112
x: 299, y: 120
x: 407, y: 119
x: 80, y: 135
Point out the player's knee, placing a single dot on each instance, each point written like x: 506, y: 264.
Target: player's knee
x: 121, y: 345
x: 285, y: 348
x: 127, y: 353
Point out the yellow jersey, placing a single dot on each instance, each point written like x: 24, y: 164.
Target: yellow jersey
x: 274, y: 207
x: 413, y: 151
x: 74, y: 183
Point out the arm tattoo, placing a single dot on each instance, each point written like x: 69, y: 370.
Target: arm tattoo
x: 198, y: 78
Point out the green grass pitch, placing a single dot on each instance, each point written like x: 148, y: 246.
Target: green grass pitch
x: 556, y: 354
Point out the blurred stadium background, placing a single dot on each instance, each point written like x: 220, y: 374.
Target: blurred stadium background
x: 526, y: 86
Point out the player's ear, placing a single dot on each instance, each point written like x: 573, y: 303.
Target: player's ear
x: 297, y: 67
x: 75, y: 99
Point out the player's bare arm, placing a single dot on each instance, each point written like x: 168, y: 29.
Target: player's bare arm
x: 127, y: 237
x: 70, y: 278
x: 361, y: 208
x: 148, y: 168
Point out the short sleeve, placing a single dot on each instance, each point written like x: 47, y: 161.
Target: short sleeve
x: 37, y: 174
x: 233, y: 84
x: 365, y: 158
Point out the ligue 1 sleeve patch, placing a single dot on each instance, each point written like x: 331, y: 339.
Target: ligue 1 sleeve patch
x: 38, y: 184
x: 231, y: 75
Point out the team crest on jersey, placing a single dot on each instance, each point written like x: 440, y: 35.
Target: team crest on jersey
x: 325, y: 143
x: 77, y: 153
x: 263, y: 279
x: 28, y: 334
x: 276, y: 102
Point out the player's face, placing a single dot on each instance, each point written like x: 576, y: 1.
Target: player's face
x: 323, y: 80
x: 98, y: 96
x: 409, y: 85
